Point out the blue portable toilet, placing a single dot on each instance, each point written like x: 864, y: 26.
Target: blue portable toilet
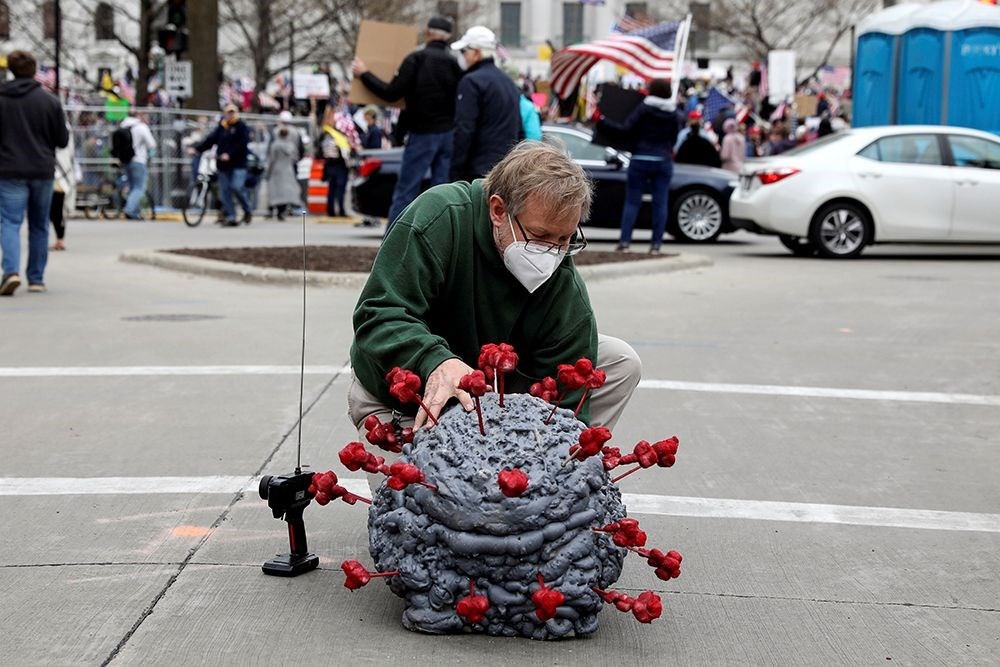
x: 934, y: 64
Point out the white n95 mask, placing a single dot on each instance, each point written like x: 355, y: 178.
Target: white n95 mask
x: 531, y: 269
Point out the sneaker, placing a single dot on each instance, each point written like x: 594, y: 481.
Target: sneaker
x: 654, y: 250
x: 622, y: 247
x: 230, y: 223
x: 11, y: 281
x: 36, y: 287
x: 247, y: 218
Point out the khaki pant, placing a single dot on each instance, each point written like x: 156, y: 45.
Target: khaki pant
x: 614, y: 356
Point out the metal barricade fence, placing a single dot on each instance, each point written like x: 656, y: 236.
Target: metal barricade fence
x: 170, y: 166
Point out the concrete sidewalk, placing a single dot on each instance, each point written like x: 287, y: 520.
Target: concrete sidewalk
x: 140, y: 404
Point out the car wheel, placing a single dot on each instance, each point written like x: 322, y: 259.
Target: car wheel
x: 799, y: 246
x: 840, y: 230
x: 697, y: 217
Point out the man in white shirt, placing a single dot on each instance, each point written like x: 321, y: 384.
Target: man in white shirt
x: 136, y: 170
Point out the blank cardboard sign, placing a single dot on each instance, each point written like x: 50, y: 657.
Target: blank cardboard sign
x: 382, y: 46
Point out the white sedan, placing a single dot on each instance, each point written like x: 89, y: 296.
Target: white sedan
x: 909, y: 183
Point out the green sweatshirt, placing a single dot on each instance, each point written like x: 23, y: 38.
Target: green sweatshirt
x: 439, y: 290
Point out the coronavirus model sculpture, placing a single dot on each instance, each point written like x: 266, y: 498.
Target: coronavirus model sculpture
x: 506, y: 520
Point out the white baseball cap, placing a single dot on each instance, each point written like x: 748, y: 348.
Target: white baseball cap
x: 476, y: 37
x: 285, y: 116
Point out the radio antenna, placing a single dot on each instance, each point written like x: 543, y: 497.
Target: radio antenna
x: 302, y: 364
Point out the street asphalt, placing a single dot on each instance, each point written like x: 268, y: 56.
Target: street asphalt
x: 835, y: 495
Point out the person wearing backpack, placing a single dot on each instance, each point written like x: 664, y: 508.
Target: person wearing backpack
x: 131, y: 144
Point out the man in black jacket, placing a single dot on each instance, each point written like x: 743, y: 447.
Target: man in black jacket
x: 426, y: 79
x: 32, y: 126
x: 487, y: 110
x: 231, y: 139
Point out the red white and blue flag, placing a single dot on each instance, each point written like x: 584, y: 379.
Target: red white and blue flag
x: 652, y: 52
x: 46, y: 76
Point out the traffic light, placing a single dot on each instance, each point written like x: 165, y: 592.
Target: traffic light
x: 177, y: 13
x: 172, y: 37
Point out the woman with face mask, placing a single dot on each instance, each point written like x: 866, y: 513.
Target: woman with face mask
x: 486, y: 262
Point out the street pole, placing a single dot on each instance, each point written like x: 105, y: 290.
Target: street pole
x: 58, y: 19
x: 291, y: 66
x: 203, y: 50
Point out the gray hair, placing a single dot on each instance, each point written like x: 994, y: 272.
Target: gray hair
x: 435, y: 33
x: 543, y: 169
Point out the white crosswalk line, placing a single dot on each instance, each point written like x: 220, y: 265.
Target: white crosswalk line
x: 637, y: 503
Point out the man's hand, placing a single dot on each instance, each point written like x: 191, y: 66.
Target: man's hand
x: 358, y: 67
x: 224, y: 157
x: 442, y: 385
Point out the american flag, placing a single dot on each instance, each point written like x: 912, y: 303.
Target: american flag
x: 629, y: 23
x: 46, y: 76
x: 650, y: 52
x: 718, y: 100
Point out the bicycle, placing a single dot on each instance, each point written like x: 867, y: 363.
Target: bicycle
x: 107, y: 199
x: 203, y: 193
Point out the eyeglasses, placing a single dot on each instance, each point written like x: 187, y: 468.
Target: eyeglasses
x: 576, y: 243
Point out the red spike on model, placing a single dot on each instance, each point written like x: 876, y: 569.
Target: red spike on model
x: 355, y: 457
x: 357, y: 576
x: 546, y: 600
x: 496, y: 360
x: 475, y: 384
x: 591, y: 442
x: 324, y: 488
x: 667, y: 565
x: 383, y: 435
x: 545, y: 389
x: 646, y: 608
x: 405, y: 387
x: 624, y: 533
x: 662, y: 453
x: 512, y: 482
x: 472, y: 608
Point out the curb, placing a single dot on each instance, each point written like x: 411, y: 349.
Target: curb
x: 258, y: 274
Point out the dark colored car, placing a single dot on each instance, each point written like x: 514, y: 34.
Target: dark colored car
x: 699, y: 196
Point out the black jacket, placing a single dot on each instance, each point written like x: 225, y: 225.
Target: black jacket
x: 426, y: 79
x: 651, y: 128
x: 233, y: 140
x: 696, y: 149
x: 32, y: 127
x: 487, y: 120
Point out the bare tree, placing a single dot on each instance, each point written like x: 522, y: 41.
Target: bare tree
x: 322, y: 30
x: 762, y: 26
x: 80, y: 16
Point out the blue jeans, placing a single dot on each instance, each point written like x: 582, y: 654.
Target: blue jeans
x: 335, y: 173
x: 18, y: 195
x: 135, y: 173
x: 423, y: 151
x: 231, y: 181
x: 656, y: 174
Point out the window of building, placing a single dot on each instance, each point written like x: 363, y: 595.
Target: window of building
x: 572, y: 23
x: 4, y: 21
x: 510, y: 24
x: 104, y: 21
x: 49, y: 19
